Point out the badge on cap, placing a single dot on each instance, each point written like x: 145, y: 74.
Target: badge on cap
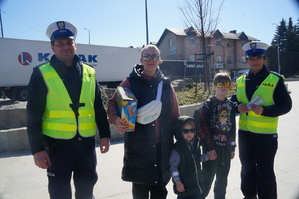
x: 255, y: 49
x: 61, y: 30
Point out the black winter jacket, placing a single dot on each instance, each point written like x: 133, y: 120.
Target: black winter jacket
x: 147, y: 150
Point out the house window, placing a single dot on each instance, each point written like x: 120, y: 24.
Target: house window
x: 228, y: 44
x: 219, y: 59
x: 191, y: 41
x: 218, y: 43
x: 229, y: 60
x: 172, y: 50
x: 192, y: 57
x: 170, y: 42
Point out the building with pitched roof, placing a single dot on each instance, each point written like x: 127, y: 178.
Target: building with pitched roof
x: 181, y: 47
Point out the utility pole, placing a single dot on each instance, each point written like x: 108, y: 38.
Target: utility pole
x: 278, y: 60
x: 146, y: 22
x: 1, y: 25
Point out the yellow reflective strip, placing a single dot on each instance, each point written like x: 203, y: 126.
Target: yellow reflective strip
x: 57, y: 126
x: 263, y: 130
x: 263, y: 119
x: 262, y: 124
x: 86, y: 113
x: 60, y: 114
x: 260, y: 118
x: 242, y: 122
x: 86, y: 126
x: 59, y: 134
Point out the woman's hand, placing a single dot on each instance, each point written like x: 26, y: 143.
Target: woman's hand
x: 121, y: 124
x: 242, y: 108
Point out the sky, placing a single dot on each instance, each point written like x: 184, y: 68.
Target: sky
x: 122, y: 22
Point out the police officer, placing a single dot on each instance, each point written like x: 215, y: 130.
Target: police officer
x: 63, y: 110
x: 261, y: 97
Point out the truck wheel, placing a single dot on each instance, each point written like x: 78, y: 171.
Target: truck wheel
x: 2, y: 95
x: 21, y: 94
x: 8, y: 94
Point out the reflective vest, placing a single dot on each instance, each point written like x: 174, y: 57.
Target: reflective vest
x: 59, y: 119
x: 251, y: 121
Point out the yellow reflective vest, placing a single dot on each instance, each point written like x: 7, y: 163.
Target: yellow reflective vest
x: 59, y: 120
x: 251, y: 121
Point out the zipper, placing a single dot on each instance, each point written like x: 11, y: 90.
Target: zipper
x: 196, y: 170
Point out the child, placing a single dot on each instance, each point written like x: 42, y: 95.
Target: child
x: 217, y: 129
x: 185, y: 160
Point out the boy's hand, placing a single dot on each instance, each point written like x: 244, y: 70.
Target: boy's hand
x: 232, y: 155
x: 212, y: 155
x: 179, y: 186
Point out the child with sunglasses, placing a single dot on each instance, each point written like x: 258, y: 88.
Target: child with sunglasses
x: 185, y: 160
x: 217, y: 129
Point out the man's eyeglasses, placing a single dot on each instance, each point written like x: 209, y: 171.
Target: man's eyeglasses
x: 186, y: 131
x: 153, y: 57
x: 220, y: 84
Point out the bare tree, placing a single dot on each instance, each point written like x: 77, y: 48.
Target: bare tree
x: 203, y: 16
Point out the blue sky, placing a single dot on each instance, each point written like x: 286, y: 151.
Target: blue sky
x: 122, y: 22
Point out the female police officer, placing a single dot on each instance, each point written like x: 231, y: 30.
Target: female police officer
x: 261, y: 97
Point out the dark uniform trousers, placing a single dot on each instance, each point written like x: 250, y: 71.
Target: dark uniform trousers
x: 77, y: 158
x: 257, y: 153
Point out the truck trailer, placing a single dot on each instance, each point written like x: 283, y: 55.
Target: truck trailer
x: 19, y: 56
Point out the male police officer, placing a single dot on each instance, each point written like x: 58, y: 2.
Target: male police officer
x: 64, y: 107
x: 261, y: 97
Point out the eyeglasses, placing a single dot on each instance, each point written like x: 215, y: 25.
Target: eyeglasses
x: 220, y: 84
x: 153, y: 57
x: 186, y: 131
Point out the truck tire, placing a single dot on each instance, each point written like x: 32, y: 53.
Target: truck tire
x: 2, y: 95
x: 21, y: 94
x: 8, y: 93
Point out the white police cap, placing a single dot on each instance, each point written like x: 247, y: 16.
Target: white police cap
x: 61, y: 30
x: 255, y: 49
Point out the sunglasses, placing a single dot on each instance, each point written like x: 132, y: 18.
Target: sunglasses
x: 186, y: 131
x: 221, y: 84
x: 153, y: 57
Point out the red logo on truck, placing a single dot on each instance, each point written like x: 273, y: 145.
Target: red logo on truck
x: 25, y: 58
